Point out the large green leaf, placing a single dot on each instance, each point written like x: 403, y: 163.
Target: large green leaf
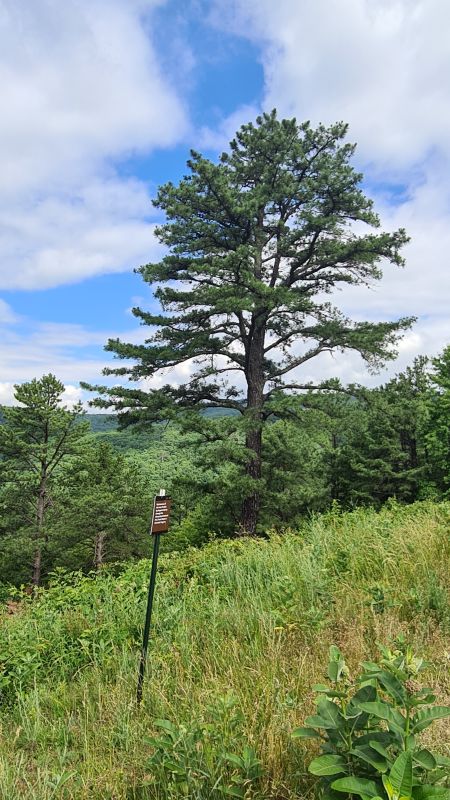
x: 385, y: 711
x: 401, y: 774
x: 319, y: 722
x: 305, y: 733
x: 379, y: 748
x: 384, y: 737
x: 330, y: 712
x: 335, y: 668
x: 424, y: 718
x: 425, y: 759
x: 370, y: 666
x: 234, y: 791
x: 330, y: 794
x: 370, y: 756
x: 361, y: 786
x: 365, y: 694
x: 328, y: 765
x: 334, y: 653
x: 392, y: 686
x: 232, y: 758
x: 442, y: 761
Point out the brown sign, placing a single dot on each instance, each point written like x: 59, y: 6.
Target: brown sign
x: 161, y: 513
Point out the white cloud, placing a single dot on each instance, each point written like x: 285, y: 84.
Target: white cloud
x: 6, y: 394
x: 381, y: 66
x: 72, y: 352
x: 71, y: 395
x: 26, y: 356
x: 80, y: 83
x: 81, y: 89
x: 99, y: 228
x: 7, y: 315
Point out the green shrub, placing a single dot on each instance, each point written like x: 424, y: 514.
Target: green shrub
x: 369, y: 730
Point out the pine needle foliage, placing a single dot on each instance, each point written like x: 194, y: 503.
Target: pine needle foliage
x: 255, y: 244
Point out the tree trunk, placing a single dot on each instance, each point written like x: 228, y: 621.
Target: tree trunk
x: 253, y: 439
x: 40, y: 511
x: 251, y: 504
x: 37, y: 558
x: 99, y: 548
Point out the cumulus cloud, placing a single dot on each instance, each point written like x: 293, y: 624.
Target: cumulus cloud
x: 33, y: 352
x: 101, y: 227
x: 80, y: 83
x: 81, y: 89
x: 383, y: 68
x: 70, y: 397
x: 71, y: 352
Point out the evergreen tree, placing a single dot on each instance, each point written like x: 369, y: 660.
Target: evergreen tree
x: 438, y: 426
x: 256, y: 242
x: 35, y: 437
x: 380, y: 449
x: 104, y: 509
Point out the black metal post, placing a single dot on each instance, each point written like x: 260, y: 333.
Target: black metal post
x: 148, y: 616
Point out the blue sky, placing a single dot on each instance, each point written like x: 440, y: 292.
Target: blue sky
x: 102, y: 100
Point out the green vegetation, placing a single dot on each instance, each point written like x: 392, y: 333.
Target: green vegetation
x: 369, y: 729
x: 357, y: 448
x: 242, y: 632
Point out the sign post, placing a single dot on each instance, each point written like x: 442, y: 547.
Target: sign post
x: 160, y: 524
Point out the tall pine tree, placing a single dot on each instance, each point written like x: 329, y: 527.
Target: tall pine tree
x: 255, y: 244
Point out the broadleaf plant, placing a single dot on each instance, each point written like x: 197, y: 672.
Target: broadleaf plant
x: 368, y: 729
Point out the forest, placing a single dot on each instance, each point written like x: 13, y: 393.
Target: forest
x: 344, y: 449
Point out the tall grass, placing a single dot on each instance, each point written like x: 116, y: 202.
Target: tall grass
x: 241, y: 634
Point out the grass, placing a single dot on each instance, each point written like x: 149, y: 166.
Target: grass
x: 241, y: 634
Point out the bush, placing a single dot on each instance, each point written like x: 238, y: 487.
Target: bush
x: 369, y: 730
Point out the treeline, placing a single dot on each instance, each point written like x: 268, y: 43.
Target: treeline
x: 76, y: 499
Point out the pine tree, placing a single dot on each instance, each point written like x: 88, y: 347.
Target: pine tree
x: 380, y: 448
x: 105, y: 509
x: 35, y: 437
x: 438, y: 427
x: 255, y: 244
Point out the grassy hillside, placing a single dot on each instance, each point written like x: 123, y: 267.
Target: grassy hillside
x: 241, y: 635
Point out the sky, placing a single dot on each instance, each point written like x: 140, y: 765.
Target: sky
x: 102, y: 101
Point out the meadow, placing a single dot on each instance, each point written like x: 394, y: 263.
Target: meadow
x: 241, y: 634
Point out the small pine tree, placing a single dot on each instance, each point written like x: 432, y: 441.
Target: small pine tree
x: 105, y: 509
x: 380, y: 449
x: 35, y: 437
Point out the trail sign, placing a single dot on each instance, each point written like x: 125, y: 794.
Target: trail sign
x: 161, y: 514
x: 160, y: 524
